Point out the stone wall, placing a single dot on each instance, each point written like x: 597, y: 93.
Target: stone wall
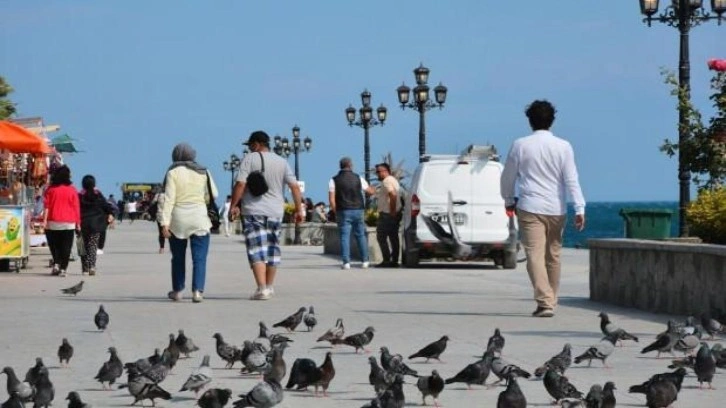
x: 332, y: 244
x: 657, y: 276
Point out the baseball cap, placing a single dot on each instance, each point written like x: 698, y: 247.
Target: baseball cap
x: 258, y: 136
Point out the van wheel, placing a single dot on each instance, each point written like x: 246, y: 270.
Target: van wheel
x: 410, y: 259
x: 510, y: 259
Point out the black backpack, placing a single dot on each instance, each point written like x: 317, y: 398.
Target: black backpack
x: 256, y: 182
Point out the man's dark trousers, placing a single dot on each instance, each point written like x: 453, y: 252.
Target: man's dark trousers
x: 387, y: 231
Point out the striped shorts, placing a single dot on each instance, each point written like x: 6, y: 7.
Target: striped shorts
x: 262, y: 237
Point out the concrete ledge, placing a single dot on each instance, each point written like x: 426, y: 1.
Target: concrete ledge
x: 310, y: 233
x: 331, y: 244
x: 658, y: 276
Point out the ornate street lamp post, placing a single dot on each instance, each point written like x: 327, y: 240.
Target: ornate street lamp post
x: 366, y: 121
x: 683, y: 15
x: 283, y: 148
x: 421, y: 102
x: 232, y: 165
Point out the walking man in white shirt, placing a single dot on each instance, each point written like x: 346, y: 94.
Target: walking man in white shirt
x: 542, y: 168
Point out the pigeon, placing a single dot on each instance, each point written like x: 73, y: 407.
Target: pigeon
x: 451, y: 238
x: 504, y: 370
x: 215, y: 398
x: 291, y: 322
x: 74, y: 401
x: 705, y: 366
x: 691, y: 327
x: 265, y: 394
x: 141, y: 386
x: 73, y: 290
x: 310, y: 320
x: 719, y: 355
x: 101, y: 318
x: 496, y: 342
x: 386, y: 357
x: 600, y: 351
x: 172, y: 351
x: 608, y: 398
x: 304, y: 372
x: 65, y: 352
x: 474, y: 373
x: 110, y: 370
x: 512, y: 397
x: 594, y: 397
x: 559, y: 362
x: 397, y: 366
x: 184, y: 344
x: 254, y: 358
x: 44, y: 390
x: 227, y: 352
x: 158, y: 371
x: 661, y: 394
x: 432, y: 350
x: 607, y: 327
x: 151, y: 391
x: 685, y: 362
x: 711, y: 326
x: 334, y: 333
x: 31, y: 377
x: 270, y: 341
x: 664, y: 342
x: 559, y: 387
x: 276, y: 369
x: 431, y: 385
x: 13, y: 401
x: 358, y: 340
x: 676, y: 377
x: 199, y: 377
x: 327, y: 373
x: 687, y: 344
x: 378, y: 377
x: 24, y: 390
x: 393, y: 396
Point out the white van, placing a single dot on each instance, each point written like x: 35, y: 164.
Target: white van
x: 471, y: 179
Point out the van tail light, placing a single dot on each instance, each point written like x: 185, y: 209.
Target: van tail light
x: 415, y: 206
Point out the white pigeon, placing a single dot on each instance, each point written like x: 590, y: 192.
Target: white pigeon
x: 199, y: 378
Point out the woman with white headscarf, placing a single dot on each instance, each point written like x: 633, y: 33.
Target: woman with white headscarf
x: 183, y: 219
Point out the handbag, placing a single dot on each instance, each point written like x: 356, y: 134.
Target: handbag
x: 212, y: 209
x: 256, y: 182
x: 80, y: 246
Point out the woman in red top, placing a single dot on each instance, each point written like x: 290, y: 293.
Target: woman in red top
x: 62, y: 218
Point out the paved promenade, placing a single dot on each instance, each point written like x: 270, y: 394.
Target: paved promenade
x: 408, y: 308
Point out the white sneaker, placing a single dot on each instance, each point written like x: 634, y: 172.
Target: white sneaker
x: 345, y: 266
x: 99, y: 252
x: 365, y: 265
x: 261, y: 294
x: 271, y: 290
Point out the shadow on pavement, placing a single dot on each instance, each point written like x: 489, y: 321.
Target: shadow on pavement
x: 437, y: 313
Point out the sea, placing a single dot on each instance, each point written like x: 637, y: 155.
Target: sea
x: 603, y: 220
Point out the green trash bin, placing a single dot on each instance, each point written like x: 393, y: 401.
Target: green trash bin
x: 642, y: 223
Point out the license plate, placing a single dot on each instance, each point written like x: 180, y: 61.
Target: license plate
x: 443, y: 218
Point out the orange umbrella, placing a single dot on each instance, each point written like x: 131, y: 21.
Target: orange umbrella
x: 18, y: 139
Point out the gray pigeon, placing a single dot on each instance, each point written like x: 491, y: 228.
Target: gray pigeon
x: 227, y: 352
x: 691, y: 327
x: 74, y: 400
x: 451, y: 238
x: 512, y: 397
x: 151, y: 391
x: 291, y: 322
x: 607, y: 327
x: 386, y: 357
x: 505, y: 370
x: 44, y: 390
x: 705, y: 366
x: 665, y: 341
x: 24, y: 390
x: 254, y: 358
x: 397, y: 366
x: 13, y: 401
x: 65, y: 352
x: 142, y: 387
x: 687, y: 344
x: 184, y: 344
x: 73, y: 290
x: 600, y: 351
x: 378, y: 377
x: 31, y: 377
x: 474, y: 373
x: 431, y: 385
x: 158, y: 371
x: 393, y: 396
x: 661, y: 394
x: 101, y: 318
x: 608, y: 399
x: 432, y: 350
x: 559, y: 387
x: 110, y: 370
x: 496, y: 342
x: 172, y: 351
x: 199, y: 377
x: 559, y: 362
x: 269, y: 341
x: 215, y: 398
x: 594, y: 397
x: 266, y: 394
x: 310, y: 320
x: 359, y: 340
x: 334, y: 333
x: 711, y: 326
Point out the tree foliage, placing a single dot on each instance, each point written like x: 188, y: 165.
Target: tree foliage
x: 7, y: 108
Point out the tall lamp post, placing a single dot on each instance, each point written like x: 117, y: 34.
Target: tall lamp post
x: 231, y: 165
x: 683, y: 15
x: 366, y: 121
x: 421, y: 102
x: 283, y: 148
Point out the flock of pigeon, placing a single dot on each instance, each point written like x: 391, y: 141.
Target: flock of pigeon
x: 263, y: 357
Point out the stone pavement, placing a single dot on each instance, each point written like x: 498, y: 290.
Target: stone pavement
x: 408, y: 308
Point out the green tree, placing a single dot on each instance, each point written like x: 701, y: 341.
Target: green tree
x: 704, y: 150
x: 7, y: 108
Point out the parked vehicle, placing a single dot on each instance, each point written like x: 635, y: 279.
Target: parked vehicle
x: 466, y: 187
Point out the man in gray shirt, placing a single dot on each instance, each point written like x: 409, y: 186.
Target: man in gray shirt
x: 262, y: 215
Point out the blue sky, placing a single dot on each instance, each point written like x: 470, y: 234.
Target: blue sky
x: 131, y: 79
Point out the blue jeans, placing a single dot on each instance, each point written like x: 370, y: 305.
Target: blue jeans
x: 200, y: 247
x: 347, y: 220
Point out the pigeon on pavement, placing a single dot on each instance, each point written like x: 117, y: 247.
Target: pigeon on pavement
x: 185, y: 345
x: 430, y: 385
x: 675, y: 377
x: 687, y: 344
x: 608, y: 398
x: 334, y: 333
x: 705, y: 366
x: 505, y: 370
x: 277, y: 367
x: 199, y: 377
x: 24, y: 390
x: 398, y: 366
x: 13, y: 401
x: 711, y: 326
x: 594, y: 397
x: 265, y: 394
x: 386, y: 357
x: 270, y: 341
x: 44, y: 390
x: 474, y: 373
x: 254, y: 358
x: 378, y: 377
x: 227, y: 352
x: 31, y: 377
x: 661, y: 394
x: 215, y: 398
x: 600, y: 351
x: 74, y: 400
x: 73, y: 290
x: 65, y: 352
x: 691, y: 327
x: 291, y: 322
x: 359, y: 340
x: 392, y: 397
x: 559, y: 387
x: 560, y: 362
x: 664, y: 342
x: 327, y: 373
x: 110, y: 370
x: 310, y: 320
x: 101, y: 318
x: 172, y: 351
x: 512, y: 397
x: 304, y: 372
x: 607, y: 327
x: 432, y: 350
x: 496, y: 342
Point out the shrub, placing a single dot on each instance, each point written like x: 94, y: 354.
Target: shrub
x: 707, y: 216
x: 370, y: 217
